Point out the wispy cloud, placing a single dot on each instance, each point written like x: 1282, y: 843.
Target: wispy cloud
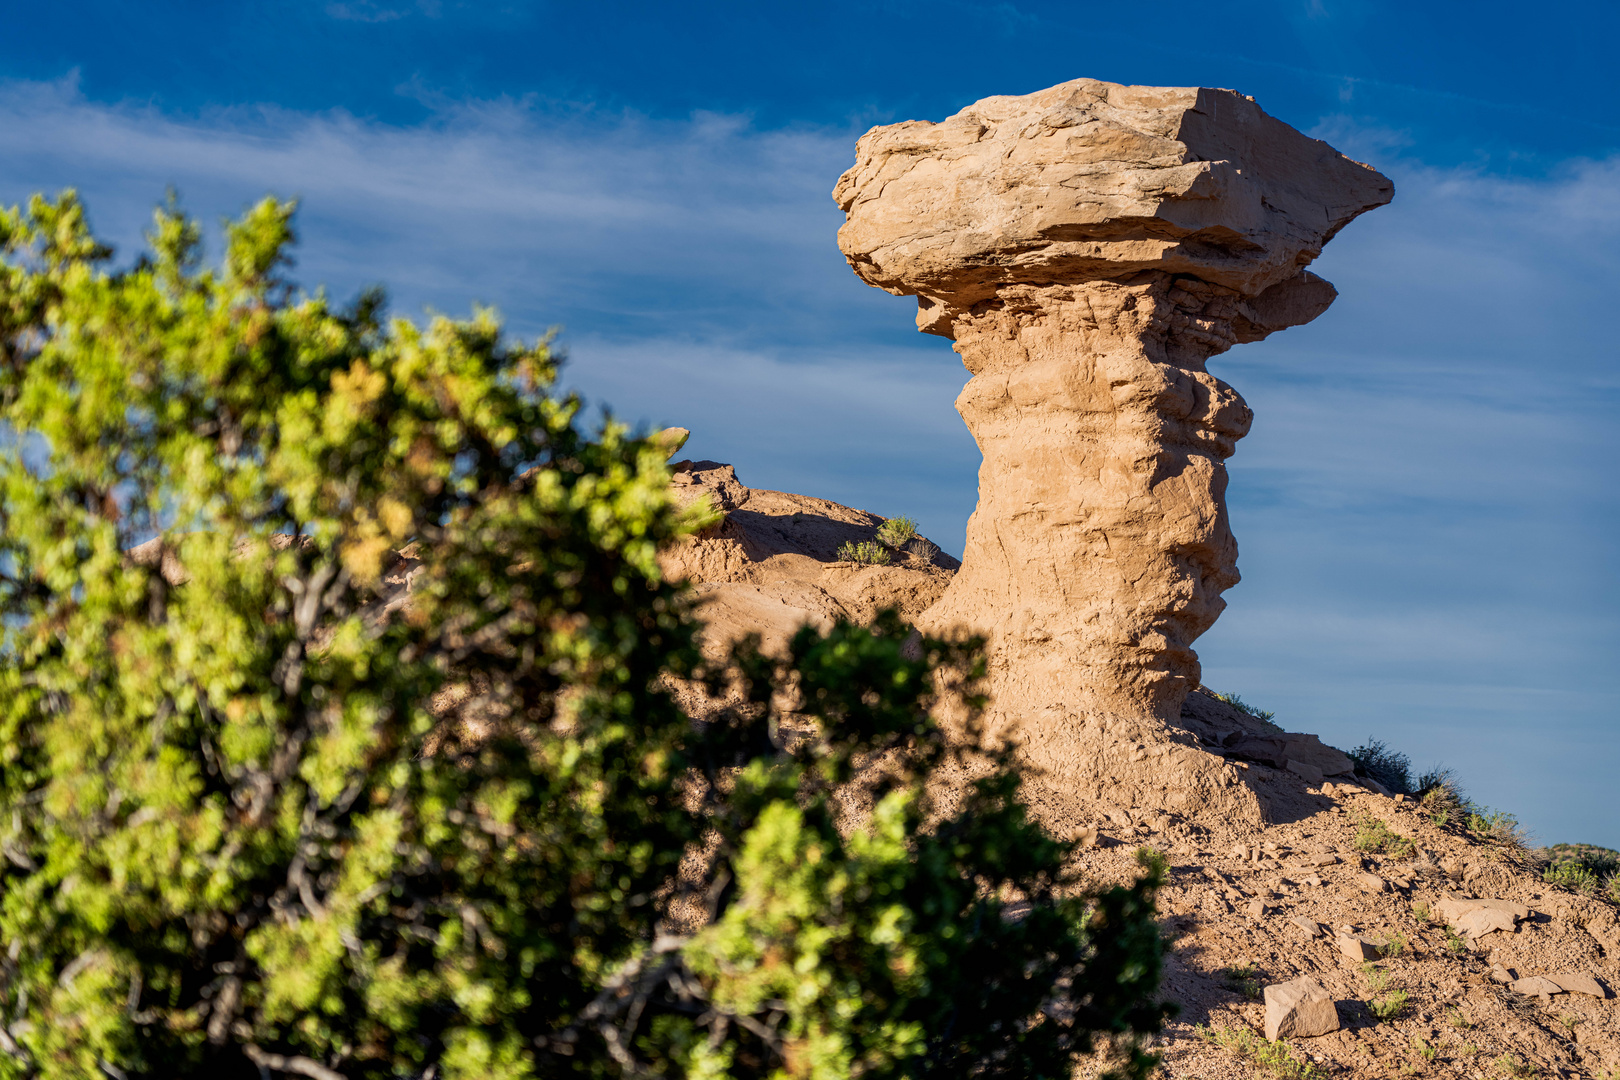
x: 1426, y: 507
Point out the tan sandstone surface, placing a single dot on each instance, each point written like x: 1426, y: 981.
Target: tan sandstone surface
x: 771, y: 566
x: 1088, y: 248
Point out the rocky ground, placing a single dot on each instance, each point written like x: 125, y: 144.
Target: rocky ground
x: 1442, y: 951
x: 1245, y: 908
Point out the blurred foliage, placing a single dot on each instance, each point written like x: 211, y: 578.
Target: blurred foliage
x: 337, y: 740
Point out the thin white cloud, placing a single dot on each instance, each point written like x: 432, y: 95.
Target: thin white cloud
x: 463, y: 202
x: 374, y: 11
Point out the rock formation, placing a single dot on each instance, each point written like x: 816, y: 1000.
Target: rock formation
x: 773, y: 564
x: 1088, y: 248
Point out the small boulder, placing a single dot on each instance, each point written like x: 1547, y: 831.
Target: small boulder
x: 1357, y: 948
x: 1278, y: 750
x: 690, y: 480
x: 1536, y: 984
x: 1256, y: 908
x: 1502, y: 975
x: 670, y: 440
x: 1579, y: 982
x: 1311, y: 927
x: 1305, y: 771
x: 1481, y: 921
x: 1323, y: 859
x: 1371, y: 883
x: 1453, y: 907
x: 1299, y: 1008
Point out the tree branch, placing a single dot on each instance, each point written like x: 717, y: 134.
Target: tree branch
x: 301, y: 1066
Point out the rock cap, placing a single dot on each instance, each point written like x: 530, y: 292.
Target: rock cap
x: 1092, y: 180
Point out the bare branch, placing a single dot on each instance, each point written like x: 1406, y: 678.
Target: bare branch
x: 300, y: 1066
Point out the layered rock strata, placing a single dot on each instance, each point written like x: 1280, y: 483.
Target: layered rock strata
x: 1088, y: 248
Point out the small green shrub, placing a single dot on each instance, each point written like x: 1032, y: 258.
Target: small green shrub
x: 867, y: 552
x: 1500, y: 828
x: 1512, y: 1068
x: 1263, y: 715
x: 1374, y: 837
x: 1577, y: 879
x: 1274, y: 1058
x: 1389, y: 1006
x: 1601, y: 861
x: 1241, y: 979
x: 1395, y: 945
x: 1584, y: 868
x: 897, y: 531
x: 1389, y: 767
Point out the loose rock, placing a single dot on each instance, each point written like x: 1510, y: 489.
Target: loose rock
x: 1306, y: 772
x: 1371, y: 883
x: 1451, y: 908
x: 1299, y: 1008
x: 1357, y: 948
x: 1536, y: 984
x: 1579, y: 982
x: 1481, y: 921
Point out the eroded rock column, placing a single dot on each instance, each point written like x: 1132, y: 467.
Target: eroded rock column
x: 1088, y: 248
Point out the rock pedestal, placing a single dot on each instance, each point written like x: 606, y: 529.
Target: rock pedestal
x: 1088, y: 248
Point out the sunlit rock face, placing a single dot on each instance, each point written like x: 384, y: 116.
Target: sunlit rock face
x: 1088, y: 248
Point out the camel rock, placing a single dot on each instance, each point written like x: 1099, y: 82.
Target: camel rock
x: 1088, y: 248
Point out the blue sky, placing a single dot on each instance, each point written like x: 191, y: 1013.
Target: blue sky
x: 1426, y: 509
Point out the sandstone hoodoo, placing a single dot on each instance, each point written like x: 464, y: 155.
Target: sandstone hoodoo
x: 1088, y: 248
